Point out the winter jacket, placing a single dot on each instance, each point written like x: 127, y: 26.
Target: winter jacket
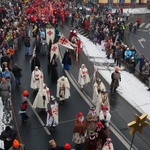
x: 16, y: 71
x: 27, y: 42
x: 11, y: 135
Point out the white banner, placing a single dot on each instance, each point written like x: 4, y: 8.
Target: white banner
x: 65, y: 42
x: 50, y: 34
x: 54, y: 50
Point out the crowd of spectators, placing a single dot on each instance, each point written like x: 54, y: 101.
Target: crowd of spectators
x: 108, y: 29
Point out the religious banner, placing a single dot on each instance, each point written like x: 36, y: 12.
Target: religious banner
x: 54, y: 50
x: 55, y: 112
x: 50, y: 35
x: 65, y: 42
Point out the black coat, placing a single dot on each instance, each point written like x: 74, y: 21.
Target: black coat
x: 35, y: 62
x: 11, y: 135
x: 53, y: 71
x: 16, y: 71
x: 27, y: 42
x: 67, y: 58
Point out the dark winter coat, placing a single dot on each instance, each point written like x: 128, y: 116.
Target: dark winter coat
x: 8, y: 134
x: 132, y: 65
x: 141, y: 63
x: 35, y: 62
x: 67, y: 58
x: 5, y: 59
x: 115, y: 79
x: 16, y: 71
x: 53, y: 70
x: 27, y: 42
x: 57, y: 148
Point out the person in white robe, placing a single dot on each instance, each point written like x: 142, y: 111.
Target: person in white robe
x: 42, y: 98
x: 97, y: 88
x: 36, y: 78
x: 52, y: 113
x: 63, y: 89
x: 104, y: 100
x: 83, y: 76
x: 108, y: 145
x: 105, y: 116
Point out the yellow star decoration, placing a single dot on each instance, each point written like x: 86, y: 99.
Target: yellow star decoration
x: 138, y: 124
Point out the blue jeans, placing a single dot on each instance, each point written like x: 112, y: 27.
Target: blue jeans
x: 27, y: 51
x: 17, y: 80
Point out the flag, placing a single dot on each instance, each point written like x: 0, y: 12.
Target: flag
x: 50, y: 34
x: 54, y: 50
x: 55, y: 112
x: 65, y: 42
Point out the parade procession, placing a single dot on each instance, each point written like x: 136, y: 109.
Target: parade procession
x: 52, y: 95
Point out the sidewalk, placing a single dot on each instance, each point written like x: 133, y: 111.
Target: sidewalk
x: 131, y: 88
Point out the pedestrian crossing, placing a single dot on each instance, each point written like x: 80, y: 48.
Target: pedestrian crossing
x: 83, y: 32
x: 142, y: 25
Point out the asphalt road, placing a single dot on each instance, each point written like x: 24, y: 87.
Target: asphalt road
x: 141, y: 39
x: 34, y: 135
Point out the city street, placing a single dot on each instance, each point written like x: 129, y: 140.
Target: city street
x: 140, y: 40
x: 35, y: 136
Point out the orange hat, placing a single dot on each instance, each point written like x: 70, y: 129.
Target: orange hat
x: 3, y: 79
x: 16, y: 143
x: 67, y: 146
x: 25, y: 93
x: 116, y: 69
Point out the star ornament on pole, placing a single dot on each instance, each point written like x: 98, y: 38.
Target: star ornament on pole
x: 138, y: 124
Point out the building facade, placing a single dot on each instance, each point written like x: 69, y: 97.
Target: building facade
x: 123, y: 2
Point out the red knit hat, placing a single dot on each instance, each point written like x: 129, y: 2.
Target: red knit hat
x: 100, y: 124
x: 104, y: 107
x: 25, y: 93
x: 67, y: 146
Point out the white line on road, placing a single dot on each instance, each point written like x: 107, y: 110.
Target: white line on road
x: 142, y: 24
x: 148, y: 25
x: 40, y: 120
x: 145, y: 30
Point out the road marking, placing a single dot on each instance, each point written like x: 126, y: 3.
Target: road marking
x: 148, y: 25
x: 142, y: 40
x: 142, y: 24
x: 40, y: 120
x: 145, y: 30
